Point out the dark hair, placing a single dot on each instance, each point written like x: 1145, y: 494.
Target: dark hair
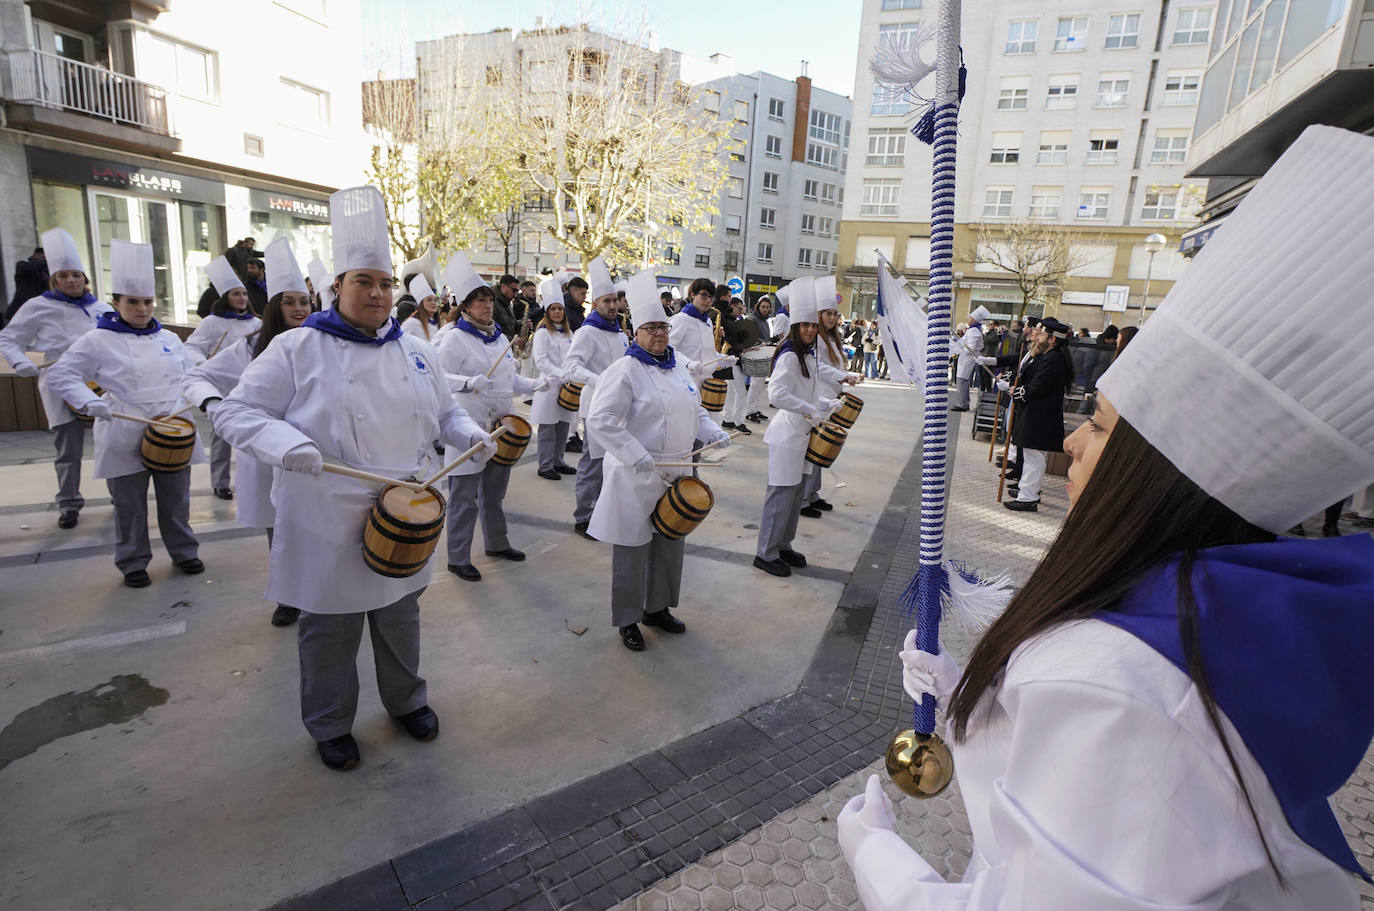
x: 722, y: 289
x: 577, y: 281
x: 798, y: 348
x: 667, y: 294
x: 407, y: 307
x: 509, y: 280
x: 473, y: 294
x: 1125, y: 337
x: 273, y: 324
x: 701, y: 284
x: 527, y: 281
x: 1136, y: 512
x: 1109, y: 334
x: 222, y: 304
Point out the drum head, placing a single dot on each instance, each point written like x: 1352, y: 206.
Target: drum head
x: 183, y: 428
x: 413, y: 507
x: 694, y: 492
x: 515, y: 423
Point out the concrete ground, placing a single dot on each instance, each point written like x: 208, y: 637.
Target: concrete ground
x: 151, y: 753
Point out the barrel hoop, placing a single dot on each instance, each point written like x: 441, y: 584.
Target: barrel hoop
x: 392, y: 570
x: 390, y: 535
x: 686, y: 509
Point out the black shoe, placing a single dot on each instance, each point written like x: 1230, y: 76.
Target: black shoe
x: 529, y: 401
x: 665, y: 621
x: 137, y: 579
x: 1013, y: 490
x: 551, y: 475
x: 285, y: 616
x: 728, y: 425
x: 754, y: 418
x: 465, y: 571
x: 744, y: 429
x: 822, y: 505
x: 811, y: 512
x: 422, y: 724
x: 509, y: 553
x: 792, y: 558
x: 224, y: 493
x: 952, y: 408
x: 191, y: 567
x: 565, y: 469
x: 632, y: 637
x: 1331, y: 531
x: 581, y: 529
x: 1023, y: 505
x: 773, y: 567
x: 1013, y: 476
x: 340, y: 754
x: 574, y: 444
x: 67, y: 519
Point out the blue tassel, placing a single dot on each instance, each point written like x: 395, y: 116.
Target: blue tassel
x: 924, y: 129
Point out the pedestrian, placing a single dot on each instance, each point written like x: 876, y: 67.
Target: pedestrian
x: 870, y: 345
x: 254, y: 281
x: 424, y: 322
x: 31, y: 279
x: 552, y: 342
x: 829, y: 350
x: 968, y: 349
x: 526, y: 304
x: 645, y: 410
x: 694, y: 338
x: 50, y: 322
x: 740, y: 335
x: 503, y: 306
x: 140, y: 365
x: 1038, y: 428
x: 757, y: 396
x: 855, y: 340
x: 669, y: 306
x: 1124, y: 339
x: 574, y: 297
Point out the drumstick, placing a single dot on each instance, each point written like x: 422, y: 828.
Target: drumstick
x: 493, y: 367
x: 179, y: 413
x: 369, y: 476
x: 688, y: 464
x: 463, y: 458
x: 156, y: 422
x: 215, y: 350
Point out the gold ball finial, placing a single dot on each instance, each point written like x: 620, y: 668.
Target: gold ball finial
x: 920, y: 764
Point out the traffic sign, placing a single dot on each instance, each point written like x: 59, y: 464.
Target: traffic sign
x: 736, y: 285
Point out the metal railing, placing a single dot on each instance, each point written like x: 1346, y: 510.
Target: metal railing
x: 51, y: 80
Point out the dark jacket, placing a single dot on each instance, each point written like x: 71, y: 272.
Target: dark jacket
x: 504, y: 315
x: 760, y: 322
x: 573, y: 311
x: 30, y: 280
x: 1039, y: 422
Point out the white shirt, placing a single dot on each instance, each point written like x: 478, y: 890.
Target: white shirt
x: 49, y: 326
x: 693, y: 341
x: 797, y: 399
x: 215, y: 333
x: 549, y: 351
x: 970, y: 348
x: 592, y: 351
x: 414, y: 326
x: 463, y: 357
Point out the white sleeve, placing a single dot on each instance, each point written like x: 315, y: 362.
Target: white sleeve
x: 202, y: 340
x: 252, y: 417
x: 457, y: 364
x: 18, y: 336
x: 69, y: 375
x: 832, y: 374
x: 216, y: 377
x: 542, y: 342
x: 786, y: 371
x: 607, y: 418
x: 575, y: 368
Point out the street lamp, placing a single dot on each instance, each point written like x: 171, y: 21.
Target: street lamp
x: 1153, y: 244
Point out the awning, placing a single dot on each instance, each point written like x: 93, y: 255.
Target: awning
x: 1195, y: 237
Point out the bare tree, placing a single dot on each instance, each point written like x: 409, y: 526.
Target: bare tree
x: 1039, y: 257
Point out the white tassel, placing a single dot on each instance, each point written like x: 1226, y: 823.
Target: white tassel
x: 899, y: 63
x: 975, y: 603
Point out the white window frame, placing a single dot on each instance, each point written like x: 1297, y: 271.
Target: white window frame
x: 1071, y: 39
x: 765, y: 252
x: 702, y: 258
x: 1000, y: 205
x: 143, y: 38
x: 1006, y: 147
x: 768, y: 218
x: 823, y: 259
x: 890, y: 5
x: 1123, y: 38
x: 1053, y: 148
x: 803, y: 257
x: 1190, y: 32
x: 772, y: 146
x: 1045, y: 202
x: 828, y: 193
x: 1094, y: 203
x: 808, y: 224
x: 287, y: 113
x: 733, y: 223
x: 881, y: 196
x: 1117, y: 92
x: 1164, y: 207
x: 1170, y: 147
x: 1103, y: 147
x: 823, y: 156
x: 810, y: 188
x: 886, y: 148
x: 734, y: 187
x: 776, y: 109
x: 825, y: 127
x: 1021, y: 36
x: 1013, y: 93
x: 1061, y: 93
x: 888, y: 101
x: 825, y: 226
x: 741, y: 110
x: 770, y: 181
x: 1181, y: 87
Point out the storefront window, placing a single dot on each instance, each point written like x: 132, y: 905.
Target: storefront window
x: 59, y: 205
x: 202, y: 239
x: 308, y: 238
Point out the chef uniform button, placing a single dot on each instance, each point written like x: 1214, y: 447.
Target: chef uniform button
x: 350, y: 379
x: 361, y: 417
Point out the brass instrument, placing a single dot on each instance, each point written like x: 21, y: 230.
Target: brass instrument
x: 718, y: 329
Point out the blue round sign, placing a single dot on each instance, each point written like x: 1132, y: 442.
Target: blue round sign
x: 736, y: 285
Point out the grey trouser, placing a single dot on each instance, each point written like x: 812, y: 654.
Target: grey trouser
x: 220, y: 452
x: 645, y: 579
x: 588, y: 486
x: 781, y: 512
x: 960, y: 398
x: 329, y: 664
x: 70, y: 440
x: 552, y: 439
x: 130, y: 495
x: 811, y: 486
x: 468, y: 495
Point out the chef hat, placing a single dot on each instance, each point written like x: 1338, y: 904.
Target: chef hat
x: 550, y: 292
x: 827, y: 298
x: 419, y: 288
x: 323, y: 282
x: 1258, y: 390
x: 801, y: 299
x: 563, y: 276
x: 783, y: 294
x: 283, y: 272
x: 979, y: 314
x: 462, y: 278
x: 599, y: 282
x: 357, y: 223
x: 222, y: 276
x: 622, y: 286
x: 131, y: 269
x: 642, y: 294
x: 60, y: 251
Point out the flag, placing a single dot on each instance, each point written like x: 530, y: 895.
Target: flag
x: 902, y: 323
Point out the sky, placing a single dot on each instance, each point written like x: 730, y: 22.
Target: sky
x: 771, y: 37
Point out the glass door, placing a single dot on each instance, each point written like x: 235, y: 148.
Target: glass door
x: 142, y: 221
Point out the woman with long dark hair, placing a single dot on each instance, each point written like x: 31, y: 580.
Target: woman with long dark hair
x: 1161, y: 715
x: 423, y: 322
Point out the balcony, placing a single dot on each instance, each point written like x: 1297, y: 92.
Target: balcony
x: 49, y: 93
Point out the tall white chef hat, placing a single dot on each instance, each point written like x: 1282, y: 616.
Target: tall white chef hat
x: 783, y: 294
x: 60, y: 251
x: 131, y: 269
x: 550, y: 292
x: 599, y: 282
x: 979, y: 314
x: 357, y: 223
x: 323, y: 282
x: 1257, y: 389
x: 827, y: 298
x: 641, y: 292
x: 462, y: 278
x: 801, y: 299
x: 283, y: 272
x: 419, y: 288
x: 222, y: 276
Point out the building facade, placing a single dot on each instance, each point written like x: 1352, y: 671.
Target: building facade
x: 1077, y: 118
x: 178, y: 127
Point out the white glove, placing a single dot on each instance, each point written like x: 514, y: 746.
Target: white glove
x: 1003, y: 385
x: 726, y: 360
x: 479, y: 384
x: 863, y: 816
x: 1019, y: 393
x: 988, y: 361
x: 98, y: 409
x: 541, y: 385
x: 720, y: 439
x: 305, y: 458
x: 924, y: 674
x: 210, y: 406
x: 25, y: 367
x: 693, y: 367
x: 828, y: 406
x: 853, y: 379
x: 645, y: 465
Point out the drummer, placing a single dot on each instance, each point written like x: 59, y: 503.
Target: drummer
x: 350, y: 386
x: 829, y: 350
x: 740, y: 335
x: 50, y: 323
x: 424, y: 322
x: 693, y: 335
x: 140, y: 365
x: 552, y: 340
x: 596, y: 344
x: 207, y: 384
x: 468, y: 354
x: 646, y: 409
x: 795, y: 389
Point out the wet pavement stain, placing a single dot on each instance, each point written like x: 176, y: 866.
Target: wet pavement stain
x: 121, y: 699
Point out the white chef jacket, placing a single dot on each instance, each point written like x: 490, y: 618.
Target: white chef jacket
x: 1067, y: 815
x: 550, y: 351
x: 795, y: 396
x: 970, y: 348
x: 464, y: 356
x: 640, y: 409
x: 778, y: 326
x: 49, y: 326
x: 207, y: 335
x: 829, y: 385
x: 141, y: 375
x: 593, y: 350
x: 693, y: 340
x: 413, y: 326
x: 378, y: 408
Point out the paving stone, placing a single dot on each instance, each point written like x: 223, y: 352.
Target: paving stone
x: 749, y: 898
x: 788, y: 873
x: 811, y: 895
x: 717, y: 899
x: 779, y: 897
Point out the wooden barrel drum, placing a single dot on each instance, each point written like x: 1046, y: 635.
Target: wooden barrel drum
x: 402, y: 530
x: 682, y: 507
x: 84, y: 418
x: 826, y: 442
x: 713, y: 395
x: 510, y: 446
x: 848, y: 412
x: 166, y: 450
x: 570, y: 396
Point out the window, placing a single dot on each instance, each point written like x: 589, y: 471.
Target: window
x: 825, y: 227
x: 703, y: 258
x: 538, y: 201
x: 776, y: 106
x: 741, y: 111
x: 734, y: 187
x: 1021, y: 36
x: 803, y: 258
x: 886, y: 148
x: 1112, y: 89
x: 1071, y: 34
x: 1054, y: 148
x: 189, y: 70
x: 1160, y: 205
x: 672, y: 256
x: 828, y: 193
x: 823, y: 156
x: 997, y: 202
x: 1269, y: 42
x: 822, y: 259
x: 1103, y: 146
x: 1123, y: 30
x: 733, y: 223
x: 737, y: 156
x: 809, y: 189
x: 1006, y: 148
x: 888, y: 101
x: 901, y: 4
x: 731, y: 260
x: 1094, y: 201
x: 768, y: 218
x: 1181, y: 88
x: 1062, y: 93
x: 1012, y: 93
x: 712, y: 101
x: 1194, y: 26
x: 808, y: 224
x: 880, y: 196
x: 765, y: 253
x: 495, y: 75
x: 304, y: 107
x: 826, y: 127
x: 1171, y: 147
x: 772, y: 146
x: 1044, y: 202
x: 770, y: 181
x: 900, y: 33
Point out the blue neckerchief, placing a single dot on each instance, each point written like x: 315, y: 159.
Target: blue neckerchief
x: 693, y: 312
x: 331, y: 323
x: 470, y: 329
x: 231, y: 313
x: 668, y: 361
x: 600, y: 322
x: 110, y: 320
x: 84, y: 301
x: 788, y: 346
x: 1284, y: 630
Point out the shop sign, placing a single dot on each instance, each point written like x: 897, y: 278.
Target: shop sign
x: 300, y: 207
x: 46, y: 163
